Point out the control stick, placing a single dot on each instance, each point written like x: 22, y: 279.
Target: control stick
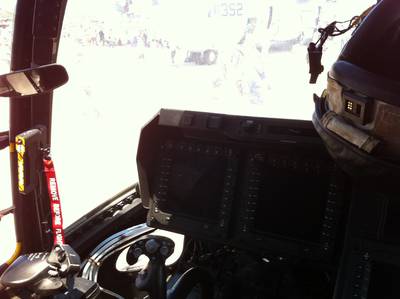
x: 152, y: 279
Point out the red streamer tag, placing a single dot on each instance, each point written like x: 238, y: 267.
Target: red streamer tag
x: 55, y: 204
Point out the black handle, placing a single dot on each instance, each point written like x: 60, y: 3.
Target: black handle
x: 152, y: 279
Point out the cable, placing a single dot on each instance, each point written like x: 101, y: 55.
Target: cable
x: 315, y: 49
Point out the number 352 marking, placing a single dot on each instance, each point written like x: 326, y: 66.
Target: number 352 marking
x: 231, y: 9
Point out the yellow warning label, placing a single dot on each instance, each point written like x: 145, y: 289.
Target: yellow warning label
x: 20, y: 147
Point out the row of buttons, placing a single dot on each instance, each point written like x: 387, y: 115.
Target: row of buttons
x: 361, y: 278
x: 189, y: 147
x: 214, y: 122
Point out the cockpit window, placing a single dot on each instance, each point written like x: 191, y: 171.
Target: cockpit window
x: 7, y: 12
x: 127, y: 59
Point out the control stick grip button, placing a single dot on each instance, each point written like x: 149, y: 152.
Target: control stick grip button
x: 164, y: 251
x: 137, y: 252
x: 152, y: 246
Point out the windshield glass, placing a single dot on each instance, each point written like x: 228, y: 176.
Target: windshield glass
x: 7, y: 12
x: 127, y: 59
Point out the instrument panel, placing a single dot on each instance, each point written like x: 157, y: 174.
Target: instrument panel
x: 256, y: 183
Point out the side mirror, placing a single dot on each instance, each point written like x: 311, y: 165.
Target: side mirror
x: 33, y: 81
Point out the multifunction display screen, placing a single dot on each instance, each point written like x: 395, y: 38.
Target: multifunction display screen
x: 292, y: 196
x: 197, y: 180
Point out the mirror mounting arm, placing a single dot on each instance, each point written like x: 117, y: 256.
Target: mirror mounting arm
x: 6, y: 211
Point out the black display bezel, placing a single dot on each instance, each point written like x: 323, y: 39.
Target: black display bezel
x: 185, y: 222
x: 363, y: 272
x: 358, y: 267
x: 271, y: 242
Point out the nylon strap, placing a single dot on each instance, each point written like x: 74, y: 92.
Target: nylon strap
x: 55, y: 204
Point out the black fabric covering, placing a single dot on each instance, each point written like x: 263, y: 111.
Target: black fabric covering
x: 375, y: 45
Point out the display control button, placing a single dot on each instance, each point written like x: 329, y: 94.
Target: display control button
x: 187, y: 120
x: 214, y: 122
x: 249, y: 126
